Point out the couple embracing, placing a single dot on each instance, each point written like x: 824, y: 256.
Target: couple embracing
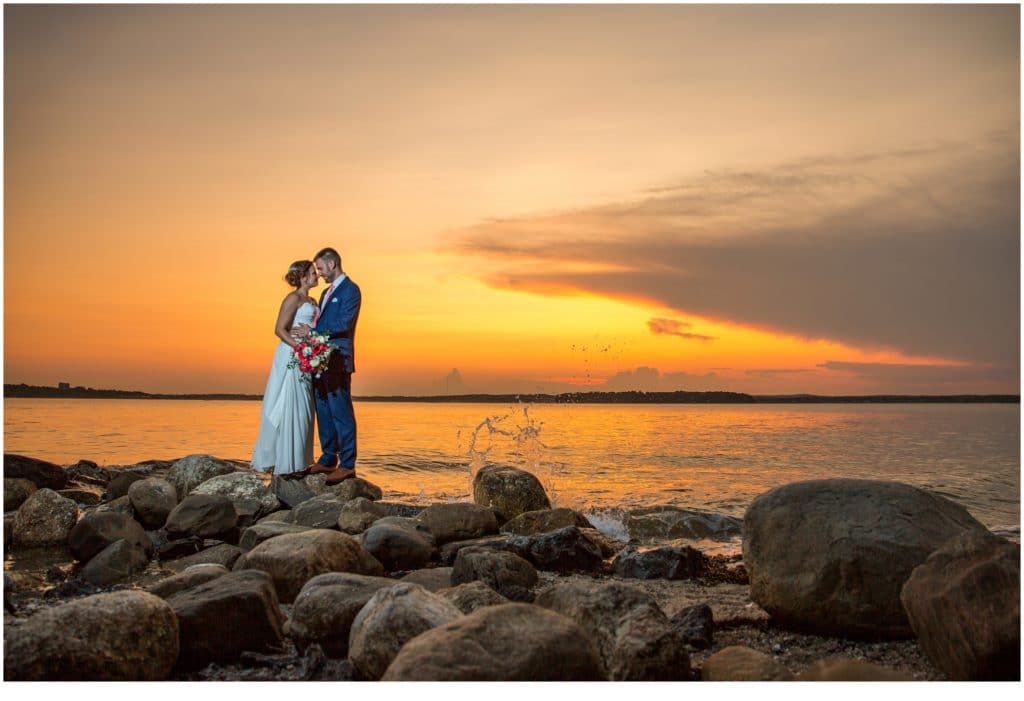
x: 284, y: 446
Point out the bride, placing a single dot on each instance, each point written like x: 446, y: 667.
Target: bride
x: 285, y: 442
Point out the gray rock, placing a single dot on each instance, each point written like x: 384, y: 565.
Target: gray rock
x: 354, y: 488
x: 167, y: 549
x: 565, y: 550
x: 40, y: 472
x: 193, y: 575
x: 963, y: 603
x: 450, y: 551
x: 203, y: 515
x: 609, y: 546
x: 121, y: 505
x: 696, y: 625
x: 290, y: 492
x: 240, y: 488
x: 830, y: 556
x: 511, y: 642
x: 152, y: 500
x: 121, y: 482
x: 319, y: 512
x: 223, y: 554
x: 399, y: 543
x: 741, y: 664
x: 117, y: 562
x: 98, y: 530
x: 284, y: 516
x: 392, y: 617
x: 119, y: 636
x: 326, y: 606
x: 470, y: 596
x: 359, y: 514
x: 45, y: 518
x: 505, y: 572
x: 9, y: 528
x: 191, y: 471
x: 634, y: 637
x: 661, y: 523
x: 404, y: 510
x: 509, y: 490
x: 545, y: 521
x: 665, y: 562
x: 431, y: 579
x: 451, y: 522
x: 295, y: 558
x: 83, y: 496
x: 847, y: 670
x: 257, y: 533
x: 226, y: 616
x: 16, y: 491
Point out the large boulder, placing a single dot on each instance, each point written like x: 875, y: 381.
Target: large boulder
x: 963, y: 603
x: 242, y: 487
x: 843, y: 669
x: 741, y: 664
x: 509, y: 490
x: 290, y: 492
x: 223, y: 554
x: 830, y: 556
x: 511, y: 642
x: 121, y: 505
x: 226, y: 616
x: 259, y: 532
x: 319, y: 512
x: 565, y: 550
x: 470, y: 596
x: 449, y: 551
x: 544, y: 521
x: 391, y: 618
x: 192, y: 576
x: 359, y: 514
x: 399, y: 543
x: 121, y: 482
x: 354, y: 488
x: 45, y: 518
x: 505, y: 572
x: 40, y: 472
x: 295, y: 558
x: 120, y: 636
x: 16, y: 491
x: 661, y: 523
x: 203, y: 515
x: 635, y: 638
x: 461, y: 521
x: 663, y: 562
x: 191, y: 471
x: 696, y: 625
x: 431, y: 579
x: 98, y: 529
x: 152, y: 499
x: 326, y: 606
x: 117, y: 562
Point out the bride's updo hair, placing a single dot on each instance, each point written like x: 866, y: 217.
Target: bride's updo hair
x: 297, y: 271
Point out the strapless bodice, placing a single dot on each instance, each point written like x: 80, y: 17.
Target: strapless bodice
x: 305, y: 314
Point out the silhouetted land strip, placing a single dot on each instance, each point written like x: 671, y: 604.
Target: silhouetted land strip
x: 35, y: 392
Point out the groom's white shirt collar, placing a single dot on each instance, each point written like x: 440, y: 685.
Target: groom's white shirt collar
x: 330, y: 290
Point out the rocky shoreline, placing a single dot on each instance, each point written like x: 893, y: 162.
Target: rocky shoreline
x: 199, y: 569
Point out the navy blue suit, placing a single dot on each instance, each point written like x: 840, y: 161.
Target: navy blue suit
x: 335, y: 417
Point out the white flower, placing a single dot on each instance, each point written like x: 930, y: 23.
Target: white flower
x: 307, y: 351
x: 315, y: 363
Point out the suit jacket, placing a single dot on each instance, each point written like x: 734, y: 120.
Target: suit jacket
x: 338, y: 319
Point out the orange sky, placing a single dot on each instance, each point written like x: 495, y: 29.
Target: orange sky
x: 764, y: 199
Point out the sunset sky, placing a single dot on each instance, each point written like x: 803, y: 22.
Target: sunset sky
x: 766, y: 199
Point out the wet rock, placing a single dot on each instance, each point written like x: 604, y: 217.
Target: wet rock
x: 451, y: 522
x: 431, y: 579
x: 295, y: 558
x: 241, y: 487
x: 450, y: 551
x: 222, y: 618
x: 544, y: 521
x: 115, y: 563
x: 609, y: 546
x: 45, y: 518
x: 359, y: 514
x: 257, y: 533
x: 634, y: 637
x: 82, y: 496
x: 509, y: 490
x: 40, y: 472
x: 511, y: 642
x: 203, y: 515
x: 16, y: 491
x: 120, y: 636
x: 192, y: 576
x: 289, y: 492
x: 665, y: 562
x: 121, y: 482
x: 391, y: 618
x: 98, y: 530
x: 660, y: 523
x: 505, y: 572
x: 190, y: 472
x: 565, y: 550
x: 326, y: 606
x: 319, y: 512
x: 741, y: 664
x: 470, y: 596
x: 152, y: 499
x: 847, y: 670
x: 963, y: 603
x: 830, y: 556
x: 399, y: 543
x: 223, y: 554
x: 696, y: 625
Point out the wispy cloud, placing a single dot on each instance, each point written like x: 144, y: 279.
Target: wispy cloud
x: 673, y: 327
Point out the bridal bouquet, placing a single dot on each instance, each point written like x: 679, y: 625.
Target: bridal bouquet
x: 310, y: 355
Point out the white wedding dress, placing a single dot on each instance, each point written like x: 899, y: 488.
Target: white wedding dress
x: 285, y: 441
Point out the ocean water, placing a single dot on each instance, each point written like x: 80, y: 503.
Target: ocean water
x: 597, y: 458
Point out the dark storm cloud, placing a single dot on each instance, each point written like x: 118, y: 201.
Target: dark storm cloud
x: 924, y: 375
x: 673, y: 327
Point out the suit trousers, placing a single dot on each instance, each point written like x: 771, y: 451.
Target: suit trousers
x: 336, y: 418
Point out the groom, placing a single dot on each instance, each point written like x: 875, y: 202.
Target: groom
x: 335, y: 417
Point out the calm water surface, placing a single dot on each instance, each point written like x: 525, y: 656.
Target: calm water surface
x: 590, y: 457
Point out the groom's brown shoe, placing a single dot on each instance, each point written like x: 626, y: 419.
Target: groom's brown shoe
x: 318, y: 469
x: 339, y: 475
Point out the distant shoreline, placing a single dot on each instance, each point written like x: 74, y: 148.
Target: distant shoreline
x: 23, y: 391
